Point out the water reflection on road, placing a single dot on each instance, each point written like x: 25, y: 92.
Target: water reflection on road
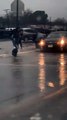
x: 31, y: 73
x: 52, y: 71
x: 62, y: 70
x: 42, y: 73
x: 17, y: 76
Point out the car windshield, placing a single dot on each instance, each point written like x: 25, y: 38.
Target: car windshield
x: 57, y: 35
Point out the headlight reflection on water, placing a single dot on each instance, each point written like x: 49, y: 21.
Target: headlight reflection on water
x: 41, y: 75
x: 42, y: 72
x: 62, y: 70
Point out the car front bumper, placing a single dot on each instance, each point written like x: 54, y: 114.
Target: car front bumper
x: 53, y: 47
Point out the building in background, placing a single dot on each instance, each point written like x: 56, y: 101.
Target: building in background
x: 21, y: 7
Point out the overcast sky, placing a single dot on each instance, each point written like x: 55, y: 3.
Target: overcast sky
x: 54, y: 8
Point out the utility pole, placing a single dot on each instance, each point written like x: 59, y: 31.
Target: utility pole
x: 50, y: 23
x: 17, y: 15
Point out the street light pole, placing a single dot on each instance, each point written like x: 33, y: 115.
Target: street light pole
x: 17, y: 16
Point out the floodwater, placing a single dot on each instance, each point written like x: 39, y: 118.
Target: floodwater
x: 30, y: 73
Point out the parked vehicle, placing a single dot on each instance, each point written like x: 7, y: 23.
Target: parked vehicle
x: 55, y: 41
x: 4, y: 33
x: 40, y: 37
x: 29, y: 34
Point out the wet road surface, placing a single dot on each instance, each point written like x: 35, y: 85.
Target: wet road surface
x: 30, y: 77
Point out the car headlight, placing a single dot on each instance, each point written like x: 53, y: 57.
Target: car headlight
x: 61, y: 42
x: 42, y: 42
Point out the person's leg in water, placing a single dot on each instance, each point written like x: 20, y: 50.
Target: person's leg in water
x: 15, y: 49
x: 17, y: 43
x: 20, y: 43
x: 13, y: 42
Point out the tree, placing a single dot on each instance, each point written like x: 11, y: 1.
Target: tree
x: 39, y: 17
x: 26, y: 16
x: 60, y: 21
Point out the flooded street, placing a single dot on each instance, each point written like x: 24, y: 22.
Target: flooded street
x: 30, y: 74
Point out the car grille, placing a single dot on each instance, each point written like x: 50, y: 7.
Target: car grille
x: 51, y: 42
